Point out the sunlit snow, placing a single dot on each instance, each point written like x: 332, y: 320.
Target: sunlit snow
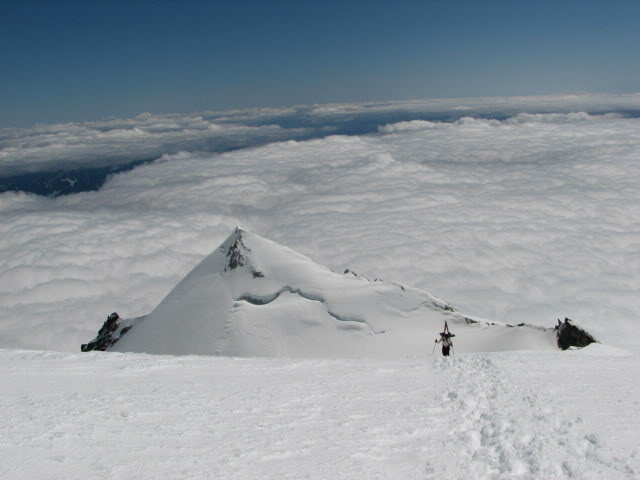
x: 500, y: 416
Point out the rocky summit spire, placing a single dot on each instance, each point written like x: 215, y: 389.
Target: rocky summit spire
x: 237, y: 254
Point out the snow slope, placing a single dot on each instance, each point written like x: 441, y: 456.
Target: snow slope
x: 253, y: 297
x: 473, y: 416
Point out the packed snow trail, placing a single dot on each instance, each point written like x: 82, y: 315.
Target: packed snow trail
x: 121, y: 416
x: 501, y: 429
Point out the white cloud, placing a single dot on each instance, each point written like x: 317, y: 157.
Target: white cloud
x: 409, y: 126
x: 145, y: 136
x: 525, y: 219
x: 485, y: 105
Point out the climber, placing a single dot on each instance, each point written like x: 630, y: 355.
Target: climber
x: 445, y: 338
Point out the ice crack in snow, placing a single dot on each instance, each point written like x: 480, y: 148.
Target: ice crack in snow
x: 268, y: 298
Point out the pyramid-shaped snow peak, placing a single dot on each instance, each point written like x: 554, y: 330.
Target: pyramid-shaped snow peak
x: 253, y: 297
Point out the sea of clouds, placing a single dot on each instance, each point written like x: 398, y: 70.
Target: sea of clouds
x: 528, y: 216
x: 148, y: 136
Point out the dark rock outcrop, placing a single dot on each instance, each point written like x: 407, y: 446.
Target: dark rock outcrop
x: 111, y: 331
x: 570, y: 335
x: 237, y: 253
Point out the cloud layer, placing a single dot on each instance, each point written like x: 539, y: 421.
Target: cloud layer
x: 147, y: 136
x: 523, y: 219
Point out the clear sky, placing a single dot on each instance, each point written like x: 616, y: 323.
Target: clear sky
x: 84, y: 60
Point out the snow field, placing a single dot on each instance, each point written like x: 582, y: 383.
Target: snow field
x: 491, y: 416
x: 508, y: 429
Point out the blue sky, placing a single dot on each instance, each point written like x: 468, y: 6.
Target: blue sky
x: 73, y: 61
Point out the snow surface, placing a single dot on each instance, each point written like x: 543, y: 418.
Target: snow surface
x: 555, y: 415
x: 253, y: 297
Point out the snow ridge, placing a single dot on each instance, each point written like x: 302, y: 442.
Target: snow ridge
x: 254, y: 297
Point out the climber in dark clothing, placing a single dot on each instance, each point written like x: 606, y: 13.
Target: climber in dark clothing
x: 445, y: 339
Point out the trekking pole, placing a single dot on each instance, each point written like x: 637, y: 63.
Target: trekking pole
x: 434, y: 349
x: 452, y: 352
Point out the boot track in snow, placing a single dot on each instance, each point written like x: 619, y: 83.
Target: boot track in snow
x: 502, y: 429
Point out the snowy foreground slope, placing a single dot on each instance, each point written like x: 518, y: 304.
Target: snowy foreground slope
x: 254, y: 297
x: 553, y: 415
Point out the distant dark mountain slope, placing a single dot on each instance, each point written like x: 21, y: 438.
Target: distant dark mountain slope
x: 64, y: 182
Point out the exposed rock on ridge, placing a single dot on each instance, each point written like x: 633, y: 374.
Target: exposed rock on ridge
x: 111, y: 331
x: 570, y: 335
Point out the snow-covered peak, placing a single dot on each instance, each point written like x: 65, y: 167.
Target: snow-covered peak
x: 254, y: 297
